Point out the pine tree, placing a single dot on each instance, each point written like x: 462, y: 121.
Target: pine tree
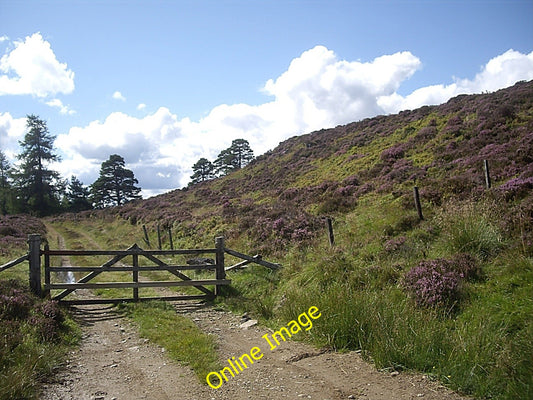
x: 204, y: 170
x: 5, y: 184
x: 242, y: 152
x: 39, y: 188
x: 238, y: 155
x: 225, y: 162
x: 77, y: 196
x: 115, y: 185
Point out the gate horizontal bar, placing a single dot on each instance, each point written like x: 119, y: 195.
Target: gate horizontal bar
x: 131, y: 268
x: 128, y: 285
x: 137, y: 251
x: 131, y: 300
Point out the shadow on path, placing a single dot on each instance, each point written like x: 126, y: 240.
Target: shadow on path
x: 89, y: 315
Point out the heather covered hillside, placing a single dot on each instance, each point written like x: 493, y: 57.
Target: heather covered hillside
x: 14, y: 231
x: 449, y: 295
x: 278, y: 200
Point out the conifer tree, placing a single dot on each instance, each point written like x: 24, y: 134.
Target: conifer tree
x: 39, y: 188
x: 204, y: 170
x: 5, y: 184
x: 242, y: 152
x: 116, y: 184
x: 238, y: 155
x: 77, y: 196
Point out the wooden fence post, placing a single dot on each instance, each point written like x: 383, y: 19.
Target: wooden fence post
x: 34, y: 256
x: 417, y: 204
x: 487, y: 174
x: 330, y: 232
x: 146, y: 238
x: 220, y: 270
x: 170, y: 238
x: 159, y: 236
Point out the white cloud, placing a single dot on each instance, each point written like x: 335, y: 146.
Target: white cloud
x: 3, y: 39
x: 32, y: 68
x: 118, y: 96
x: 141, y: 106
x: 63, y: 109
x: 319, y: 90
x: 316, y: 91
x: 500, y: 72
x: 11, y: 131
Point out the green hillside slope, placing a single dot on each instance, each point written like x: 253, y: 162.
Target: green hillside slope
x: 441, y: 149
x: 449, y: 295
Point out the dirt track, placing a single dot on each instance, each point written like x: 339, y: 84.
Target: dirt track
x: 113, y: 362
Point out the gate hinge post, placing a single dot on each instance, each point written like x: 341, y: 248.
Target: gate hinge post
x: 34, y: 257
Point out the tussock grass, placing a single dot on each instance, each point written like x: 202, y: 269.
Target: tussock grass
x: 469, y: 227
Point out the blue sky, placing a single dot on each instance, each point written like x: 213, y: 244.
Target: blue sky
x: 164, y: 83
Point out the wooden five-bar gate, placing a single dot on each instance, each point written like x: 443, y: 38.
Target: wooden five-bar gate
x: 116, y: 264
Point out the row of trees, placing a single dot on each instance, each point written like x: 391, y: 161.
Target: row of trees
x: 32, y: 187
x: 238, y: 155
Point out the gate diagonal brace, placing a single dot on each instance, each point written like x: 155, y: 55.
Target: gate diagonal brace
x: 105, y: 267
x: 176, y: 273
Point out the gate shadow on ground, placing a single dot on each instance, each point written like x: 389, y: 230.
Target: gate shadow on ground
x: 89, y: 315
x: 184, y: 308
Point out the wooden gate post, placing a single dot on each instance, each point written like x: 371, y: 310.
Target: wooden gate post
x: 220, y: 270
x: 135, y: 274
x: 46, y: 291
x: 34, y: 257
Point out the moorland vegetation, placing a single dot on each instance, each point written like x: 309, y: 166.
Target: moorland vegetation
x: 35, y: 333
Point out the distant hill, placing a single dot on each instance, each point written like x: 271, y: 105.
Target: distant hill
x: 280, y: 197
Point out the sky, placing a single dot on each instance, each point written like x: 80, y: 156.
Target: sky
x: 165, y: 83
